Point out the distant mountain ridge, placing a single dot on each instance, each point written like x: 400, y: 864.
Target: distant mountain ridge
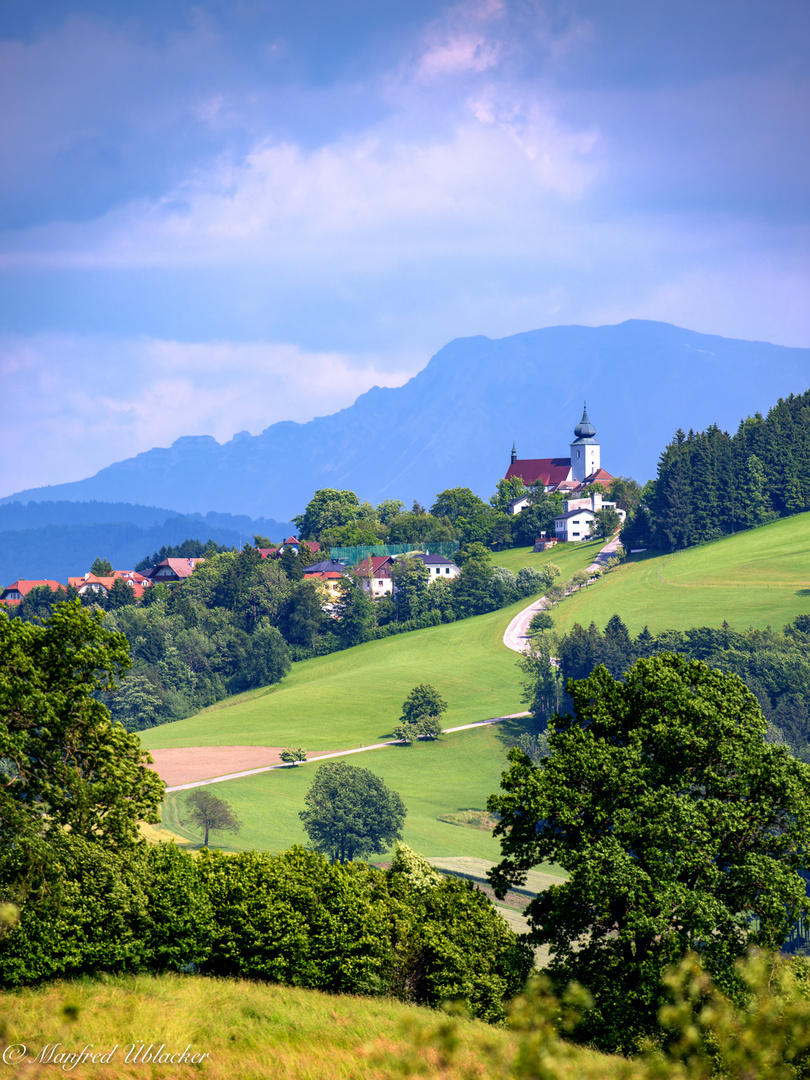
x: 453, y: 424
x: 61, y: 539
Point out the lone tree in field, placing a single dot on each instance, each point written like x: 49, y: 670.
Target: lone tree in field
x: 210, y: 813
x: 351, y: 813
x: 681, y: 828
x: 421, y: 714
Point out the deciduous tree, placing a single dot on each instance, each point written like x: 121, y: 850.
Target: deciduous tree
x: 680, y: 827
x: 210, y: 813
x: 65, y: 763
x: 351, y: 813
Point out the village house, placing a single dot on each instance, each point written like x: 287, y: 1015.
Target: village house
x: 577, y: 518
x: 19, y: 589
x: 437, y: 566
x: 172, y: 570
x: 374, y: 575
x: 92, y: 583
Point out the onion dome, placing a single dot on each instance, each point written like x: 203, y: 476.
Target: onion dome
x: 584, y: 429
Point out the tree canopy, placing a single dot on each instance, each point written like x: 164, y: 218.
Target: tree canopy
x: 351, y: 813
x: 66, y: 764
x: 681, y: 828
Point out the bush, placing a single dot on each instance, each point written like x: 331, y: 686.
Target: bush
x: 95, y: 910
x: 296, y: 919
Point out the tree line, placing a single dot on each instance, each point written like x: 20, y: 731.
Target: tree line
x: 773, y: 664
x: 710, y: 484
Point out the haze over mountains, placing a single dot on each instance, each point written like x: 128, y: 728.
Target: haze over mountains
x: 453, y: 424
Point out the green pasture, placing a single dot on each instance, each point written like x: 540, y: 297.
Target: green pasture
x: 569, y: 557
x: 354, y: 697
x: 757, y: 578
x: 457, y: 772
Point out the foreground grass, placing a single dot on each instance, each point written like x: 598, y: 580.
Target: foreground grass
x: 457, y: 772
x: 247, y: 1030
x: 757, y: 578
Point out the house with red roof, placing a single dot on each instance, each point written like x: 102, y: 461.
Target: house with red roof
x: 19, y: 589
x: 374, y: 575
x: 172, y: 570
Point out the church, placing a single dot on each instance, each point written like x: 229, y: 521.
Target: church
x: 570, y: 474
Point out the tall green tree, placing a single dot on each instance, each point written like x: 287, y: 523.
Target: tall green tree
x: 411, y: 581
x: 350, y: 813
x: 682, y: 831
x: 327, y: 509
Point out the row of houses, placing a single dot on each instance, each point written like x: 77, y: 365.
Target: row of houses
x: 374, y: 575
x: 165, y: 572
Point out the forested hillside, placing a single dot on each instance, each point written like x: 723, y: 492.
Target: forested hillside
x: 710, y: 483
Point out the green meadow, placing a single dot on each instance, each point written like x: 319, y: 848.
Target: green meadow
x: 569, y: 557
x: 757, y: 578
x: 354, y: 697
x: 457, y: 772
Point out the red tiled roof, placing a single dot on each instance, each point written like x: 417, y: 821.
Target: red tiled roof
x: 183, y: 568
x: 546, y: 471
x: 374, y: 566
x: 91, y: 579
x: 599, y: 477
x: 23, y: 586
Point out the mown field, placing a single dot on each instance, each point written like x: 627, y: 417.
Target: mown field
x: 757, y: 578
x: 354, y: 697
x: 248, y: 1031
x: 457, y: 772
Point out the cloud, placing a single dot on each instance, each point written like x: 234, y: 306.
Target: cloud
x: 358, y: 204
x: 72, y: 405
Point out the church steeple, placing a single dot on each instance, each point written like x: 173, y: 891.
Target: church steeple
x: 514, y: 454
x: 584, y: 449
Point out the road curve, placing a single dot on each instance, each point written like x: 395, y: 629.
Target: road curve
x: 516, y: 636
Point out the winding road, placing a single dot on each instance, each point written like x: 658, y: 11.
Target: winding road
x: 516, y: 636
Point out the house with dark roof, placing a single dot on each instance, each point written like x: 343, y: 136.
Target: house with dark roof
x: 570, y: 474
x: 437, y: 566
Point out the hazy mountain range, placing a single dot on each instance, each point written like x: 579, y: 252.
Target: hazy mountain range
x: 453, y: 424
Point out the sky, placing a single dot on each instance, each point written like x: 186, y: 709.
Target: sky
x: 218, y: 215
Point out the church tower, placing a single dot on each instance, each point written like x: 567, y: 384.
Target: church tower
x: 584, y: 449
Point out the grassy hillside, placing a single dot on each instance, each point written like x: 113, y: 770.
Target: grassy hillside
x: 756, y: 578
x: 248, y: 1030
x: 458, y: 772
x: 569, y: 557
x: 354, y: 697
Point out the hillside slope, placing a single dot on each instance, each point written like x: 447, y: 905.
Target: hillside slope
x: 757, y: 578
x: 453, y: 424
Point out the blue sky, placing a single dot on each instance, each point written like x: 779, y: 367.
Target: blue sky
x: 218, y: 215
